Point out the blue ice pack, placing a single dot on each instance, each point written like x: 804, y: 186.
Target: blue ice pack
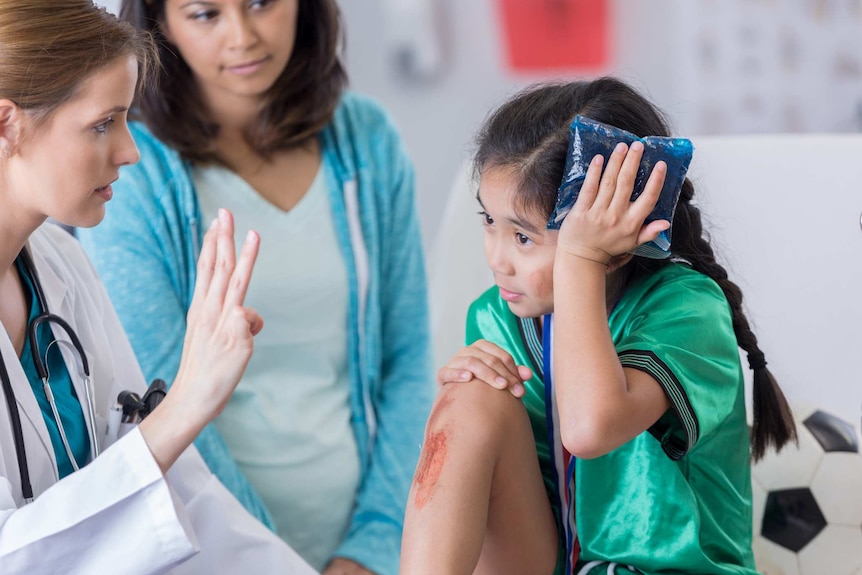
x: 588, y: 138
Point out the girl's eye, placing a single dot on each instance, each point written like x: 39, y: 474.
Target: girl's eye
x: 486, y: 219
x: 522, y: 239
x: 103, y: 127
x: 260, y: 3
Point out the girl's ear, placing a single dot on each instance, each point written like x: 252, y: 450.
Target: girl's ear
x: 11, y: 117
x: 618, y: 261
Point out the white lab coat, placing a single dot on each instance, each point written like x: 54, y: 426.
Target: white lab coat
x: 118, y: 514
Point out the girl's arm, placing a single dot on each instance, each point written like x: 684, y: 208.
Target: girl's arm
x: 602, y: 405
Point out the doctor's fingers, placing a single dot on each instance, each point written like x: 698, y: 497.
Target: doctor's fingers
x: 225, y: 264
x: 237, y: 329
x: 206, y: 263
x: 241, y: 276
x: 253, y: 319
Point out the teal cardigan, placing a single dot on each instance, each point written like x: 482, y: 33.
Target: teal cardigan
x: 146, y: 251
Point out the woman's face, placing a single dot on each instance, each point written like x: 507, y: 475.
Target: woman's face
x: 64, y: 168
x: 235, y: 48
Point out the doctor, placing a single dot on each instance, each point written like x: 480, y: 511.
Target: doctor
x: 147, y: 504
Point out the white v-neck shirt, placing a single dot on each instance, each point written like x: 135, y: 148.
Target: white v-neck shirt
x: 288, y: 422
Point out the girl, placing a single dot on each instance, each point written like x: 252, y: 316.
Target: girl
x: 147, y: 504
x: 250, y: 113
x: 628, y: 369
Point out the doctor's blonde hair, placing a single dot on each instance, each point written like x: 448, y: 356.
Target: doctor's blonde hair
x: 48, y: 48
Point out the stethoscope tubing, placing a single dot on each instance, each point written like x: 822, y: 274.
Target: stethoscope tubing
x: 17, y: 434
x: 42, y: 371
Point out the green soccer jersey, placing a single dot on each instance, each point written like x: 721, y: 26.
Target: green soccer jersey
x: 676, y: 498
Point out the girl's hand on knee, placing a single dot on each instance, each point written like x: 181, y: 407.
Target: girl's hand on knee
x: 488, y: 363
x: 604, y: 222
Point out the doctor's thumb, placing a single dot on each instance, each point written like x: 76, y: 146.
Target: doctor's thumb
x: 255, y: 322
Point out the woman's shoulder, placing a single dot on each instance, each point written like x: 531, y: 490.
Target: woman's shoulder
x: 362, y: 135
x: 360, y: 117
x: 361, y: 108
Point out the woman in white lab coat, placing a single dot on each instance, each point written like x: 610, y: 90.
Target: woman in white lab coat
x: 147, y: 504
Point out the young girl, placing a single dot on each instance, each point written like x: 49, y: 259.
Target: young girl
x: 250, y: 113
x: 627, y: 370
x: 70, y: 500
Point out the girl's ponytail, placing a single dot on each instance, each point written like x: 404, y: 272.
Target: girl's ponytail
x: 773, y: 423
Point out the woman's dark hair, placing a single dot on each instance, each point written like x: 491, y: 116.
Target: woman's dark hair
x: 297, y: 107
x: 530, y: 136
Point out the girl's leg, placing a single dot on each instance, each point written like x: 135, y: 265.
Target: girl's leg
x: 478, y: 503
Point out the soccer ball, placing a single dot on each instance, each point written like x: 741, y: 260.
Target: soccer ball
x: 808, y: 501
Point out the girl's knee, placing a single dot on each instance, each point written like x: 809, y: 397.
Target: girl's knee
x: 475, y: 409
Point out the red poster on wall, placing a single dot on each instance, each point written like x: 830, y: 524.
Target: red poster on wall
x: 554, y: 34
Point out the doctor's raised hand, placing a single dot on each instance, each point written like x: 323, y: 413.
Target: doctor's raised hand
x: 218, y: 344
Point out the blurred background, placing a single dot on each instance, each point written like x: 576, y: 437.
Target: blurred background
x: 769, y: 90
x: 714, y: 66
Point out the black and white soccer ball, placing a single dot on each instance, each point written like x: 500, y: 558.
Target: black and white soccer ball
x: 808, y: 501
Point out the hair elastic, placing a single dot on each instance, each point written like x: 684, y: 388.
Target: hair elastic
x: 756, y: 360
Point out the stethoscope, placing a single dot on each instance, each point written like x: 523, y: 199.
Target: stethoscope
x: 45, y: 317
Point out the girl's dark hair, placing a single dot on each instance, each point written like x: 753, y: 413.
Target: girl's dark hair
x: 529, y: 135
x: 296, y: 108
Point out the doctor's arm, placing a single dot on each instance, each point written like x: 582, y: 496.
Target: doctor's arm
x: 121, y: 512
x: 92, y: 520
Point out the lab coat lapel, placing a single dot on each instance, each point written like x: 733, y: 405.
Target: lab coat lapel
x: 37, y: 443
x: 60, y: 303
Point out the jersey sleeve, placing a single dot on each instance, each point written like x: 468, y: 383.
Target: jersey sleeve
x: 680, y: 332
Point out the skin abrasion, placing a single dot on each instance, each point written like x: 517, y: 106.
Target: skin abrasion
x: 430, y: 467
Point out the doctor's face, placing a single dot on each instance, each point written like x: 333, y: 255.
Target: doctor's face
x: 64, y: 168
x: 518, y: 249
x: 236, y: 49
